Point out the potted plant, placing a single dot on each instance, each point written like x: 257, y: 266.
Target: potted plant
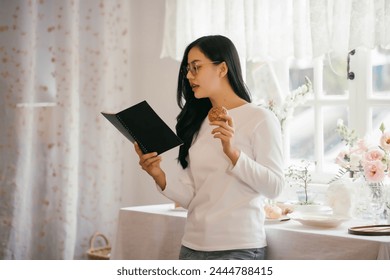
x: 298, y: 175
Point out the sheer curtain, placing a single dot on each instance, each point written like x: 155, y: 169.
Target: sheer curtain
x: 61, y: 171
x: 267, y: 30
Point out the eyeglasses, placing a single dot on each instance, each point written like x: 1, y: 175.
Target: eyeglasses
x: 194, y: 67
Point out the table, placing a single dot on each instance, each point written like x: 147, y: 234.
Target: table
x: 150, y: 232
x: 154, y: 232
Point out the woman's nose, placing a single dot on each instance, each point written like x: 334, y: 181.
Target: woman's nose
x: 189, y: 75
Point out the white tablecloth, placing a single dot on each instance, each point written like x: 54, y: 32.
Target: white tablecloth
x: 149, y: 233
x: 154, y: 232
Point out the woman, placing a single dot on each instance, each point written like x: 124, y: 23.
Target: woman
x: 227, y: 166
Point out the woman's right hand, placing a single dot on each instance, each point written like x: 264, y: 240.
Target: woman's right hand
x: 151, y: 164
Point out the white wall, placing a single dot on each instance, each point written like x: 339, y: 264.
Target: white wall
x: 155, y: 80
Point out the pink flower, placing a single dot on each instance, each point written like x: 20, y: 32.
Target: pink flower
x: 374, y: 171
x: 371, y: 160
x: 362, y: 145
x: 385, y: 141
x: 374, y: 155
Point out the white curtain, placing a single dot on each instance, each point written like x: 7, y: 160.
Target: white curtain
x: 265, y: 30
x: 61, y: 64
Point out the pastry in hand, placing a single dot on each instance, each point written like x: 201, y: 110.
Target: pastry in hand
x: 216, y: 112
x: 273, y: 211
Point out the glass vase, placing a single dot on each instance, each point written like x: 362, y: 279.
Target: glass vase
x: 376, y: 200
x: 360, y: 202
x: 387, y: 203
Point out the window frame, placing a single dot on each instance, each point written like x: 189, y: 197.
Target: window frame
x: 359, y: 101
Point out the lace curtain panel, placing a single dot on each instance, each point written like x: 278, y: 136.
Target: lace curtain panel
x: 265, y: 30
x: 61, y: 64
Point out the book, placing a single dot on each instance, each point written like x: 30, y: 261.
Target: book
x: 140, y: 123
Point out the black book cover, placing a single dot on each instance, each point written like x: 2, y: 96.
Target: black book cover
x: 141, y: 123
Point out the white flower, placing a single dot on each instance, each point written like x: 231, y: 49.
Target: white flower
x: 354, y: 161
x: 297, y: 97
x: 373, y: 162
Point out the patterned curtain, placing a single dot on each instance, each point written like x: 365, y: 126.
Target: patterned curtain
x: 61, y: 64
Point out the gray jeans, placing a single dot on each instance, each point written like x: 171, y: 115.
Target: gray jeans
x: 240, y: 254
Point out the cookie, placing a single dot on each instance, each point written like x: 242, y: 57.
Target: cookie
x: 215, y: 112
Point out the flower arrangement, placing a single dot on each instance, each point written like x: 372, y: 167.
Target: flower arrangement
x: 370, y: 160
x: 297, y: 97
x: 299, y: 175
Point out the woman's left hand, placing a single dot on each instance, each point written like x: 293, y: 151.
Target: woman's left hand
x: 225, y: 132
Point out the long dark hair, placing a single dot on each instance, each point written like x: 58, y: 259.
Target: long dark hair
x: 193, y: 110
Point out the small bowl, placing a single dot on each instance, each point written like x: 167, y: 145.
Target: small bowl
x: 309, y: 208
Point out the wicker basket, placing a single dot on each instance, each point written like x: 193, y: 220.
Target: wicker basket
x: 100, y: 253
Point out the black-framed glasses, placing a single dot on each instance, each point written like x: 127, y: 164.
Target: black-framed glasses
x: 195, y: 66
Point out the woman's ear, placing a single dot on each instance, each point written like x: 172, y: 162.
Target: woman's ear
x: 223, y: 69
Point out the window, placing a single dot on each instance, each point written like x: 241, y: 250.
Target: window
x: 362, y: 103
x: 269, y: 32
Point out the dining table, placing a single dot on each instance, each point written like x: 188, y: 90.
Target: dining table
x: 154, y: 232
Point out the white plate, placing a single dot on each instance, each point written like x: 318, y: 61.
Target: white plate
x: 281, y: 219
x: 318, y: 220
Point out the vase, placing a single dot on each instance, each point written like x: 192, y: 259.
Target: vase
x: 388, y: 212
x: 361, y: 193
x: 305, y: 196
x: 387, y: 203
x: 376, y: 200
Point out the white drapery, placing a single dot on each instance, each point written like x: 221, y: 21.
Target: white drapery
x: 61, y: 171
x: 265, y: 30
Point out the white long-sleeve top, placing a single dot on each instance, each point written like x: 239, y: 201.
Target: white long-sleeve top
x: 225, y: 202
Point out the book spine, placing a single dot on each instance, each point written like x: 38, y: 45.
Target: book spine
x: 143, y: 148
